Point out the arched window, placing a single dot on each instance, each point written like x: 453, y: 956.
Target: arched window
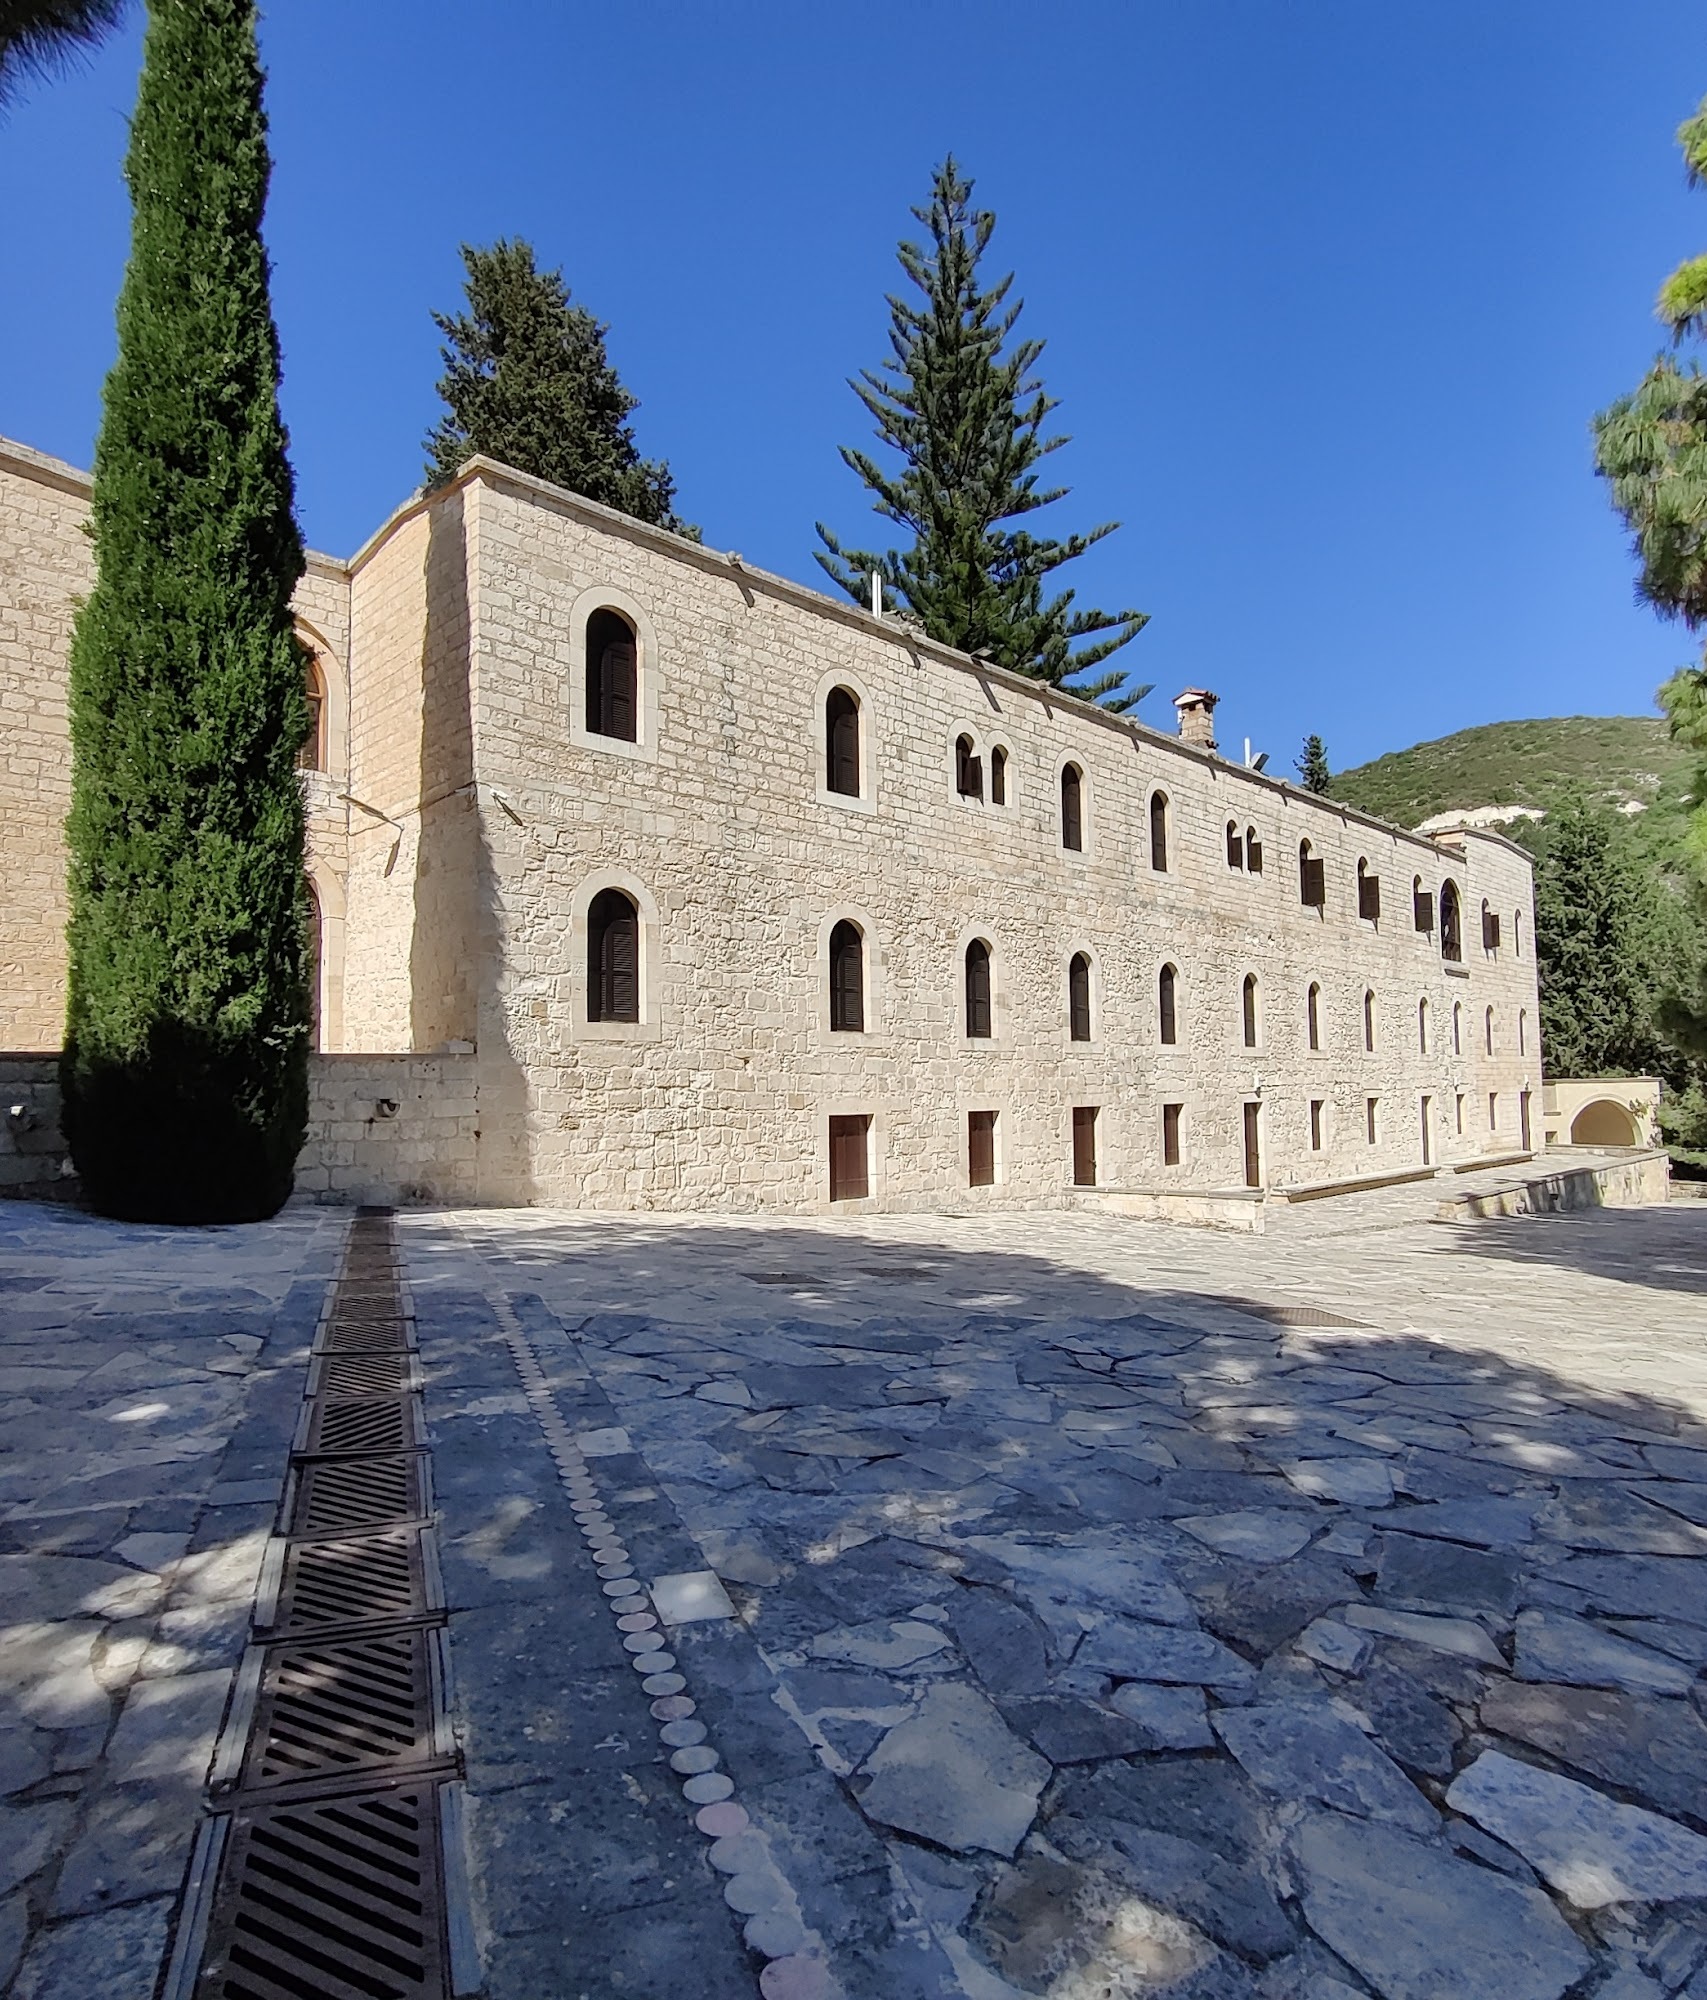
x: 998, y: 776
x: 847, y: 979
x: 1073, y: 809
x: 613, y: 654
x: 1312, y: 878
x: 1368, y: 1019
x: 316, y: 946
x: 613, y: 958
x: 1253, y: 851
x: 1079, y: 997
x: 1159, y: 832
x: 1249, y: 1002
x: 978, y: 990
x: 968, y: 769
x: 1451, y: 927
x: 1167, y: 1009
x: 311, y: 756
x: 1313, y: 1014
x: 841, y: 742
x: 1422, y: 1026
x: 1488, y: 1030
x: 1235, y: 846
x: 1517, y: 933
x: 1523, y: 1031
x: 1368, y: 893
x: 1457, y: 1029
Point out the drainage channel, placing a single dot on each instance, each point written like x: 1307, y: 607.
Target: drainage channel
x: 329, y: 1867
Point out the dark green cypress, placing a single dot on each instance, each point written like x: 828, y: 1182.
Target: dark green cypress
x: 1312, y: 766
x: 185, y: 1065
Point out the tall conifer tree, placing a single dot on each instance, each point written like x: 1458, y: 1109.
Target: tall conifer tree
x: 527, y: 381
x: 185, y: 1066
x: 1312, y: 765
x: 964, y: 410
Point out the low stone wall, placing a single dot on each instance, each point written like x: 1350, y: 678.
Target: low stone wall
x: 387, y: 1129
x: 1204, y: 1208
x: 1633, y: 1180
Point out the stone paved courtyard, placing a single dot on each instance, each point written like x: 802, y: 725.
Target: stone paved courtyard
x: 1059, y: 1606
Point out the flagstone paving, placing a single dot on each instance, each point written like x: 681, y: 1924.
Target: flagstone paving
x: 1094, y: 1634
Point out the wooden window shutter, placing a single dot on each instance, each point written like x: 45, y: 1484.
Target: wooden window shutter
x: 1072, y: 810
x: 1084, y: 1145
x: 847, y: 979
x: 613, y: 958
x: 981, y: 1148
x: 841, y: 743
x: 978, y: 989
x: 850, y: 1157
x: 1079, y: 998
x: 1167, y: 1015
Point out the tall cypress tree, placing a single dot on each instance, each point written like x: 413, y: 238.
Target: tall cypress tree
x: 1312, y: 765
x: 964, y: 410
x: 185, y: 1066
x: 527, y: 381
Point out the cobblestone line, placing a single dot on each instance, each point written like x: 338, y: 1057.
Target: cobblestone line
x: 795, y: 1964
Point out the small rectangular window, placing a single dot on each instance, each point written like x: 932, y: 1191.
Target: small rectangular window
x: 981, y: 1148
x: 1493, y: 1111
x: 1316, y: 1110
x: 1312, y: 883
x: 1458, y: 1114
x: 1422, y: 909
x: 1428, y: 1131
x: 1369, y: 1109
x: 1171, y: 1116
x: 850, y: 1157
x: 1490, y: 930
x: 1084, y: 1145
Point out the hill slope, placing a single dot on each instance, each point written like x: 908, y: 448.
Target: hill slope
x: 1615, y: 757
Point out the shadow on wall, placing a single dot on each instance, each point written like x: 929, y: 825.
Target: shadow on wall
x: 454, y: 940
x: 1155, y: 1532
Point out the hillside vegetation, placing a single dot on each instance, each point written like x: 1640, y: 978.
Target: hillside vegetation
x: 1615, y: 758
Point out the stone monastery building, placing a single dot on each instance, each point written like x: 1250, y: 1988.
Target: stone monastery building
x: 710, y: 890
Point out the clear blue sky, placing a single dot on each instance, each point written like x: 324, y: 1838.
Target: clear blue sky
x: 1331, y: 289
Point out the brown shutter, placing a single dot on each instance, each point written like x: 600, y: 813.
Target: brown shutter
x: 850, y: 1149
x: 1170, y: 1134
x: 847, y: 979
x: 1169, y: 1023
x: 1079, y: 998
x: 1158, y: 832
x: 998, y: 776
x: 1369, y: 896
x: 613, y: 958
x: 1312, y: 882
x: 1253, y: 851
x: 1072, y: 811
x: 978, y: 989
x: 1084, y: 1145
x: 981, y: 1148
x: 841, y: 744
x: 1422, y: 909
x: 1235, y: 847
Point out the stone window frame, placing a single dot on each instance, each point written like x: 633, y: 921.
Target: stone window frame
x: 999, y: 1010
x: 1253, y: 1024
x: 1423, y: 1037
x: 876, y: 1023
x: 335, y: 704
x: 871, y: 1108
x: 1179, y: 1106
x: 997, y: 1114
x: 1488, y: 1031
x: 1253, y: 851
x: 649, y: 1028
x: 866, y: 799
x: 1169, y: 963
x: 1523, y: 1031
x: 1457, y: 1027
x: 1315, y: 1044
x: 968, y: 733
x: 1169, y: 864
x: 1235, y: 842
x: 1086, y: 848
x: 648, y: 675
x: 1371, y: 1016
x: 1318, y: 1112
x: 1000, y: 746
x: 1093, y: 979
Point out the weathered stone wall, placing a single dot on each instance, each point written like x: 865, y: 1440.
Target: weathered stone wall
x: 380, y: 1128
x: 718, y: 824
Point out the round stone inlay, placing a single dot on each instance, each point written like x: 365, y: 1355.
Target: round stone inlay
x: 662, y: 1684
x: 619, y: 1586
x: 682, y: 1735
x: 754, y: 1890
x: 691, y: 1762
x: 772, y: 1933
x: 637, y: 1621
x: 708, y: 1788
x: 719, y: 1821
x: 795, y: 1977
x: 643, y: 1642
x: 653, y: 1663
x: 672, y: 1708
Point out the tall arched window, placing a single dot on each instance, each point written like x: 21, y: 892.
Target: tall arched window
x: 311, y: 756
x: 841, y: 742
x: 1249, y: 1005
x: 1159, y: 832
x: 978, y: 990
x: 968, y: 769
x: 1368, y: 893
x: 613, y: 958
x: 1073, y: 809
x: 613, y: 655
x: 1313, y: 1014
x: 1457, y: 1029
x: 1253, y: 851
x: 1167, y: 1008
x: 998, y: 776
x: 847, y: 979
x: 1451, y: 924
x: 1079, y: 997
x: 1517, y: 933
x: 1422, y: 1026
x: 1235, y: 846
x: 1368, y: 1019
x: 1523, y: 1031
x: 1488, y: 1028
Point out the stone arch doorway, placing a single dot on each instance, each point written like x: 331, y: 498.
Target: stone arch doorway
x: 1605, y: 1123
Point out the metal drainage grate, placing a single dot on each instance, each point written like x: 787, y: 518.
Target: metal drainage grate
x: 334, y: 1496
x: 334, y: 1707
x: 1288, y: 1315
x: 370, y: 1424
x: 373, y: 1579
x: 346, y: 1331
x: 381, y: 1371
x: 336, y: 1899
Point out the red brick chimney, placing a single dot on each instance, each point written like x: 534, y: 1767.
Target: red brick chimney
x: 1196, y: 708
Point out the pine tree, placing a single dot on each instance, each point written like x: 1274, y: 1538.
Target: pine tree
x: 964, y: 410
x: 1599, y: 943
x: 1312, y: 766
x: 38, y: 37
x: 185, y: 1065
x: 527, y: 382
